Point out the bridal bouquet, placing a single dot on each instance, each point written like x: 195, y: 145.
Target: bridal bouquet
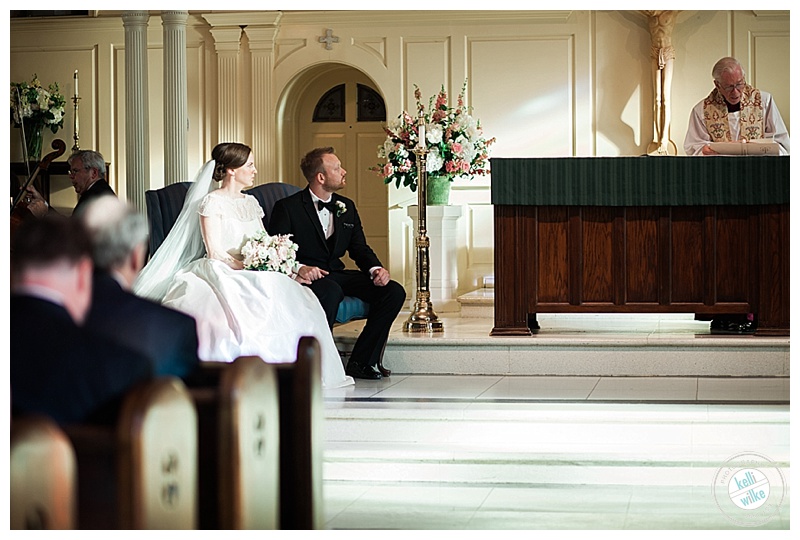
x: 273, y: 253
x: 455, y: 142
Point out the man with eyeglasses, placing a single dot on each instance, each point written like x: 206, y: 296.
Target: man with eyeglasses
x: 87, y: 172
x: 734, y: 111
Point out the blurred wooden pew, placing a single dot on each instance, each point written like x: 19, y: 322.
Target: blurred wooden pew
x: 42, y: 475
x: 243, y: 451
x: 249, y: 463
x: 302, y: 436
x: 260, y: 458
x: 141, y: 473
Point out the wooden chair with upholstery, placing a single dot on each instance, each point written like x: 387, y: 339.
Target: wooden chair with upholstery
x: 42, y: 475
x: 351, y: 308
x: 164, y: 205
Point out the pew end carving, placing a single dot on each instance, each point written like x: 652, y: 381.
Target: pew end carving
x: 142, y: 472
x: 249, y: 451
x: 42, y: 475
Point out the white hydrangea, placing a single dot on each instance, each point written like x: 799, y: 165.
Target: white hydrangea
x: 434, y: 133
x: 434, y: 161
x: 57, y: 113
x: 468, y: 149
x: 395, y: 125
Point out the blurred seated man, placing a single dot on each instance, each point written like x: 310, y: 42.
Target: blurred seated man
x: 87, y: 172
x: 58, y: 367
x: 119, y: 245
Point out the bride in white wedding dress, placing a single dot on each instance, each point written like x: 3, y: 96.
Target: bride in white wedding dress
x: 198, y: 270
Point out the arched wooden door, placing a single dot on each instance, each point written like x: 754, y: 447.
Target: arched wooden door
x: 342, y: 109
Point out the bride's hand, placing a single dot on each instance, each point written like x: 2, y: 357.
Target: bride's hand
x: 234, y: 263
x: 298, y: 278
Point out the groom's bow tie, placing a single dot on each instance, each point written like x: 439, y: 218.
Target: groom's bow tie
x: 330, y: 205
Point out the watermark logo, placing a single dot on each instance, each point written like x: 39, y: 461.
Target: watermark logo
x: 749, y: 489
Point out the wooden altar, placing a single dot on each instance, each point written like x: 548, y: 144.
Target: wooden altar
x: 655, y: 234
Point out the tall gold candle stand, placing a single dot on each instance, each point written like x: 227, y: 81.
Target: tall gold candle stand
x: 423, y: 318
x: 75, y: 100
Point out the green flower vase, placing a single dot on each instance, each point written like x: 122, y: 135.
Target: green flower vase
x: 438, y: 191
x: 33, y: 136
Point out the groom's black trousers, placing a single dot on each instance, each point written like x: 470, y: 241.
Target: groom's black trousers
x: 384, y: 305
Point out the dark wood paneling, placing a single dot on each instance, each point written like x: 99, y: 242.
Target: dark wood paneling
x: 598, y: 276
x: 554, y: 255
x: 641, y: 244
x: 695, y: 259
x: 688, y: 253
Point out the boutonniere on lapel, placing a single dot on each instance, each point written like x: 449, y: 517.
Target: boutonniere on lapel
x: 341, y: 208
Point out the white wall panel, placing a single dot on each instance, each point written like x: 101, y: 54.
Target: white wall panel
x: 522, y: 90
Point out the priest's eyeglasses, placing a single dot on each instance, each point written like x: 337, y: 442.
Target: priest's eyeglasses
x: 76, y: 171
x: 728, y: 89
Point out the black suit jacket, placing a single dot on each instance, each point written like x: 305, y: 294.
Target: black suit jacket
x: 99, y: 188
x: 64, y: 371
x: 297, y: 215
x: 165, y: 336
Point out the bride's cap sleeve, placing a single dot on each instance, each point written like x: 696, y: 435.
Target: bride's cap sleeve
x: 210, y: 206
x: 255, y: 207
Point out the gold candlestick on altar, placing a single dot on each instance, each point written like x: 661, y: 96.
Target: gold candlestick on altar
x: 75, y: 100
x: 423, y: 318
x: 75, y: 147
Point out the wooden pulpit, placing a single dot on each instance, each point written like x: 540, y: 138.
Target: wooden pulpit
x: 646, y: 234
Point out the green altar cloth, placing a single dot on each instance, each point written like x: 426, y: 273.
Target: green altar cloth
x: 641, y: 181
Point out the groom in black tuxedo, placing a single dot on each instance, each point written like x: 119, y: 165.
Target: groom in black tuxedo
x: 325, y: 225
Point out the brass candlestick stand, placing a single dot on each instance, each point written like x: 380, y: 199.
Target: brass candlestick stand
x: 423, y: 318
x: 75, y: 100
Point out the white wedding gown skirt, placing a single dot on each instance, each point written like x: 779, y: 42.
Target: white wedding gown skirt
x: 245, y: 312
x: 248, y: 312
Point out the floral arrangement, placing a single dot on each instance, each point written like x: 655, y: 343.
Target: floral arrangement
x: 455, y: 142
x: 37, y: 106
x: 341, y: 208
x: 271, y: 253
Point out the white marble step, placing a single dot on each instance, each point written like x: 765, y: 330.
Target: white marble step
x: 587, y: 345
x: 478, y: 303
x: 527, y: 444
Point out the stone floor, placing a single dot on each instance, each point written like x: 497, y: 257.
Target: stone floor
x: 499, y: 446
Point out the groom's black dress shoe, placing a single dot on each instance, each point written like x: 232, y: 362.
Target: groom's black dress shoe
x: 733, y: 325
x: 384, y: 371
x: 357, y: 371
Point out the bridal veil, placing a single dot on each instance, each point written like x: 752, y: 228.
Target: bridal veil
x: 183, y: 244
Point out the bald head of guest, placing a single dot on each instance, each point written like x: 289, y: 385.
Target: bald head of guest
x: 53, y: 254
x: 119, y: 237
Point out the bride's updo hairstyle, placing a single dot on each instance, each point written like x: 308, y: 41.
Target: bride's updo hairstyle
x: 228, y: 156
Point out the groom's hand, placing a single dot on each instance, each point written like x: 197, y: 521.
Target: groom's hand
x: 310, y: 273
x: 380, y: 277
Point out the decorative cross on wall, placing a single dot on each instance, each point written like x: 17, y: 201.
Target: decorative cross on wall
x: 329, y: 39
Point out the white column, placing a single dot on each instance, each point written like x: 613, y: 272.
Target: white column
x: 176, y: 116
x: 137, y: 111
x: 442, y: 231
x: 263, y: 140
x: 227, y: 43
